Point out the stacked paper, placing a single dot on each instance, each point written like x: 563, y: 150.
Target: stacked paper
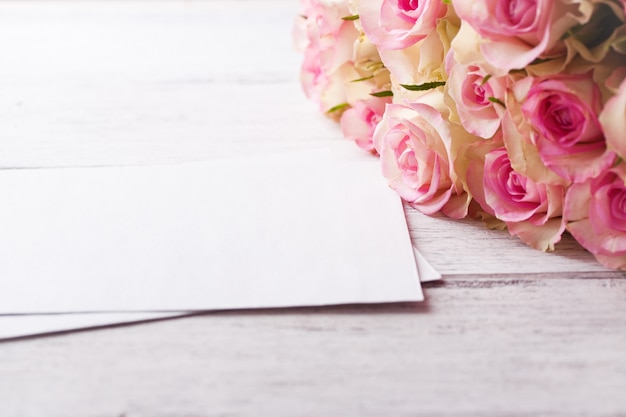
x: 299, y: 228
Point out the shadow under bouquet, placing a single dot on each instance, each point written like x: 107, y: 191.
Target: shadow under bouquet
x: 509, y: 111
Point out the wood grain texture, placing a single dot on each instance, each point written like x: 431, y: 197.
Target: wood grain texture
x: 494, y: 347
x: 466, y: 248
x: 509, y: 332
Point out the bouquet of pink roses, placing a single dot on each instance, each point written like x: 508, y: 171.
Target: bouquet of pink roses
x: 512, y: 111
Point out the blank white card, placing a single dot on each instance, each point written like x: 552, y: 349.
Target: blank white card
x: 300, y: 228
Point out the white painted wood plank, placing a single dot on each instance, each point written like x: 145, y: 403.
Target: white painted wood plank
x: 154, y: 123
x: 498, y: 347
x: 82, y: 42
x: 100, y: 83
x: 466, y: 248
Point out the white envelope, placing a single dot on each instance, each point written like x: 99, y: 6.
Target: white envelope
x: 298, y: 228
x: 19, y: 326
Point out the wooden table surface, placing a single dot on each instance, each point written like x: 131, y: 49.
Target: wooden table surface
x: 508, y: 332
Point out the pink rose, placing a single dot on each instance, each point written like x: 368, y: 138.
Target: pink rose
x: 325, y: 27
x: 417, y: 64
x: 299, y: 34
x: 531, y: 210
x: 415, y: 147
x: 478, y: 97
x: 516, y: 32
x: 563, y: 110
x: 397, y: 24
x: 518, y: 134
x: 613, y: 121
x: 312, y: 78
x: 360, y: 120
x: 596, y: 212
x: 329, y: 47
x: 600, y: 30
x: 473, y: 156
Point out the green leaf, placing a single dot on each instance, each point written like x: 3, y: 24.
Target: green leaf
x: 497, y: 101
x: 374, y: 66
x: 484, y: 81
x: 538, y: 61
x: 353, y: 17
x: 424, y: 87
x: 387, y: 93
x: 338, y: 107
x: 567, y: 34
x: 362, y: 79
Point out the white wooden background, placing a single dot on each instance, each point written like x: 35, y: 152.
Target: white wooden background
x: 509, y: 332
